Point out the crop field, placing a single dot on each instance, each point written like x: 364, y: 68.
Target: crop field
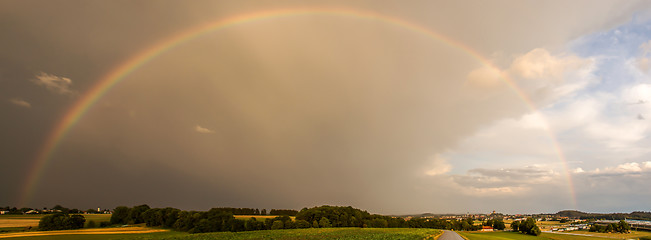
x: 289, y: 234
x: 257, y: 217
x: 94, y: 233
x: 12, y: 222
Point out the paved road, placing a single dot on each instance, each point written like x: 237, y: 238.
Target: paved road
x: 450, y: 235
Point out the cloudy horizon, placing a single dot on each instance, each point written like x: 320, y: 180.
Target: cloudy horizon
x: 521, y: 106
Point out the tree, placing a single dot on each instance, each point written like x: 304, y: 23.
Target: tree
x: 324, y: 223
x: 515, y: 226
x: 120, y: 215
x: 61, y: 221
x: 470, y: 221
x: 315, y: 224
x: 378, y: 223
x: 263, y: 212
x: 135, y: 214
x: 91, y: 224
x: 535, y: 231
x: 302, y: 224
x: 61, y: 209
x: 499, y: 224
x: 465, y: 226
x: 277, y: 225
x: 623, y: 227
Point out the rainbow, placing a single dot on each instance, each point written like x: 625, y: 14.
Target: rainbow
x: 116, y: 75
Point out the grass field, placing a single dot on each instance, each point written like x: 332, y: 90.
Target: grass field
x: 519, y: 236
x: 319, y: 233
x: 288, y: 234
x: 631, y: 235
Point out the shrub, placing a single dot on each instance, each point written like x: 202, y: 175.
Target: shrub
x: 91, y: 224
x: 61, y: 221
x: 302, y: 224
x: 277, y: 225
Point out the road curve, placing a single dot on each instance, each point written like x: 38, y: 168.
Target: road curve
x: 450, y: 235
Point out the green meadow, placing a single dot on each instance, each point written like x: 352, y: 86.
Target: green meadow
x: 553, y: 236
x: 289, y: 234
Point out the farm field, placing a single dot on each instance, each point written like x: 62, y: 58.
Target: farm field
x: 16, y: 222
x: 320, y: 233
x: 519, y: 236
x: 631, y: 235
x: 258, y: 217
x: 93, y: 233
x: 290, y: 234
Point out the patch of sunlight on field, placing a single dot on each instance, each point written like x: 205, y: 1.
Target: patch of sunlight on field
x: 84, y: 232
x: 258, y: 217
x: 13, y: 221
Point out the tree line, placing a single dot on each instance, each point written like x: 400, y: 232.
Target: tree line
x: 526, y: 226
x: 222, y: 219
x: 621, y: 227
x: 61, y: 221
x: 617, y: 216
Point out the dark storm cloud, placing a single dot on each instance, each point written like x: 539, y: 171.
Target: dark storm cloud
x: 300, y: 111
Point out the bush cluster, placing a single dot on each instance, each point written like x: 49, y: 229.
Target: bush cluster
x: 61, y: 221
x: 621, y: 227
x: 527, y: 227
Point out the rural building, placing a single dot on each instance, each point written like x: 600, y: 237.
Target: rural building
x: 486, y: 229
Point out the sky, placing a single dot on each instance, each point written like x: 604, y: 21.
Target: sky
x: 389, y: 106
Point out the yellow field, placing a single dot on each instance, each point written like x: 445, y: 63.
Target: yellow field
x: 244, y: 217
x: 7, y: 221
x: 93, y: 231
x: 18, y: 222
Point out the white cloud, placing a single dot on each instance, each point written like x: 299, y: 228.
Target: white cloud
x: 56, y: 84
x: 201, y: 129
x: 624, y: 168
x: 640, y: 93
x: 441, y: 166
x: 540, y: 64
x: 540, y: 75
x: 20, y: 102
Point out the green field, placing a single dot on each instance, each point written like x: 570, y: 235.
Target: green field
x: 631, y: 235
x: 496, y: 235
x: 290, y: 234
x: 514, y: 235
